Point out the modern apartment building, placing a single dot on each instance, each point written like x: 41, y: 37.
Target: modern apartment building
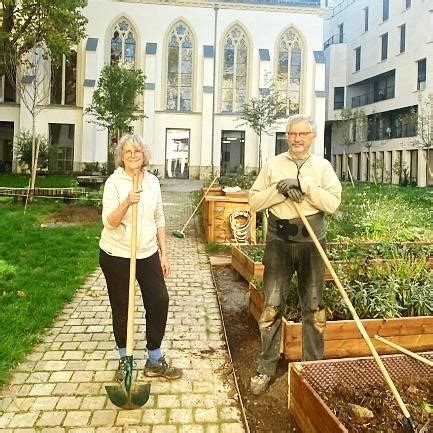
x: 379, y: 65
x: 202, y: 60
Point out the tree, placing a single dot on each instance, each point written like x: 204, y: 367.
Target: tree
x: 262, y: 114
x: 114, y: 103
x: 35, y: 35
x: 354, y: 123
x: 423, y: 118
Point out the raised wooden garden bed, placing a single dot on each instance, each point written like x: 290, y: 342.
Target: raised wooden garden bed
x: 343, y: 339
x: 308, y: 379
x: 216, y: 217
x: 249, y: 269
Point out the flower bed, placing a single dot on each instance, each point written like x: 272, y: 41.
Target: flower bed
x: 342, y: 337
x: 308, y: 382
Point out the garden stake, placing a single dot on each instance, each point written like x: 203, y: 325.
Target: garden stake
x: 127, y: 395
x: 358, y: 322
x: 405, y: 351
x: 180, y: 233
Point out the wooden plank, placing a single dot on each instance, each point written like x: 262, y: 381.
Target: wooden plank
x: 310, y: 412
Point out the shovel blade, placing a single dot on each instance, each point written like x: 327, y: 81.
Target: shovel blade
x: 136, y: 397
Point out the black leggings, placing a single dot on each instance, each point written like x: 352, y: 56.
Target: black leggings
x: 153, y: 290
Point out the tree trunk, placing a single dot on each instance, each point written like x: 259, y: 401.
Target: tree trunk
x: 260, y: 151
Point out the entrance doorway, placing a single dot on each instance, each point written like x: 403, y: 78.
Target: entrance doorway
x: 6, y: 145
x: 232, y: 152
x: 177, y: 153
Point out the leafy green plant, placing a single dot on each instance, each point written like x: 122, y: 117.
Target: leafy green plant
x: 23, y: 149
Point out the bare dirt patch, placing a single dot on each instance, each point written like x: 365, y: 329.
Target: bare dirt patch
x: 268, y: 412
x: 73, y: 214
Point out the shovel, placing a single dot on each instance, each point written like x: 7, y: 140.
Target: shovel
x: 129, y: 395
x: 358, y: 322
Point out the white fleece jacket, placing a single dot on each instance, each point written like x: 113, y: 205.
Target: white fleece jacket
x: 116, y: 241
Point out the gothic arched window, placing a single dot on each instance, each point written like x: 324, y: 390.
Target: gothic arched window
x: 234, y: 78
x: 289, y: 70
x: 123, y: 43
x: 179, y: 68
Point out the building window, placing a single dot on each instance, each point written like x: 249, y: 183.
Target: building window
x: 123, y: 43
x: 413, y: 169
x: 341, y: 33
x: 385, y: 10
x: 402, y: 38
x: 232, y: 152
x: 338, y: 98
x: 235, y: 61
x: 408, y: 4
x: 281, y: 145
x: 422, y: 68
x: 366, y: 19
x: 8, y: 87
x: 289, y: 68
x: 61, y: 136
x: 384, y: 50
x: 64, y: 81
x: 357, y: 59
x: 180, y: 68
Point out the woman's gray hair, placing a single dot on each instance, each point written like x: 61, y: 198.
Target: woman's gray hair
x: 301, y: 118
x: 137, y: 141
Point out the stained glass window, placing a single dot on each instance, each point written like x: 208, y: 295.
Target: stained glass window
x: 234, y: 78
x: 289, y: 70
x: 180, y: 68
x: 123, y: 43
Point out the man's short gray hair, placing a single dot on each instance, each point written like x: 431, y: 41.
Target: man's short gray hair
x: 137, y: 141
x: 301, y: 118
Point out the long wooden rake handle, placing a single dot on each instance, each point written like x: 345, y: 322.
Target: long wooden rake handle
x: 132, y: 269
x: 405, y: 351
x: 357, y: 319
x: 199, y: 203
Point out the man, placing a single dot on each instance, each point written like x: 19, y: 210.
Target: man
x: 294, y: 176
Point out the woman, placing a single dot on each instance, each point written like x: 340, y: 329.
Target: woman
x: 152, y: 265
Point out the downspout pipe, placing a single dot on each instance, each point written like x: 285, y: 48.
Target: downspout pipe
x: 214, y: 89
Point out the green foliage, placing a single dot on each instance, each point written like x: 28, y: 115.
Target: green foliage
x: 382, y: 213
x: 243, y: 181
x: 215, y: 247
x: 262, y: 114
x: 23, y: 149
x: 55, y: 25
x: 114, y: 103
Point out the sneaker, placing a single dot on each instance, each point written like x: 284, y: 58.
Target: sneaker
x: 121, y: 370
x: 161, y: 369
x: 259, y: 383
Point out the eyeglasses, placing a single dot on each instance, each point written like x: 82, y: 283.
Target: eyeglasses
x: 301, y: 134
x: 131, y: 153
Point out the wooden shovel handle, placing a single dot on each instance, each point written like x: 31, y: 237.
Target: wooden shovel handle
x: 132, y: 269
x: 405, y: 351
x: 354, y: 314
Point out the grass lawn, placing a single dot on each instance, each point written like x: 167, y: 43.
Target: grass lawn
x: 382, y: 213
x: 51, y: 181
x: 40, y: 269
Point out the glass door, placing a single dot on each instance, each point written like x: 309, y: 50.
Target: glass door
x: 177, y: 153
x: 232, y: 152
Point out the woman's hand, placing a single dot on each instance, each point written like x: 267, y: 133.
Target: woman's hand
x: 165, y: 265
x: 134, y: 197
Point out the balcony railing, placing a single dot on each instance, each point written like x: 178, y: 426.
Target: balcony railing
x: 372, y: 97
x: 334, y: 39
x: 398, y: 131
x: 308, y: 3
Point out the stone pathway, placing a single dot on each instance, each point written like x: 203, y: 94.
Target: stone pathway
x: 60, y: 385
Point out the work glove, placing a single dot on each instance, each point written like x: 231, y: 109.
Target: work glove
x: 290, y: 188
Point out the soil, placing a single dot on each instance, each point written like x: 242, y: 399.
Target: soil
x: 381, y: 402
x: 269, y: 411
x: 76, y: 215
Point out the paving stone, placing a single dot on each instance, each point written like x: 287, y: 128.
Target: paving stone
x: 76, y: 418
x: 27, y: 419
x: 44, y: 403
x: 60, y: 376
x: 103, y: 418
x: 164, y: 429
x: 51, y: 418
x: 168, y: 401
x: 232, y: 428
x: 69, y: 403
x: 180, y: 416
x: 128, y: 417
x: 154, y: 416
